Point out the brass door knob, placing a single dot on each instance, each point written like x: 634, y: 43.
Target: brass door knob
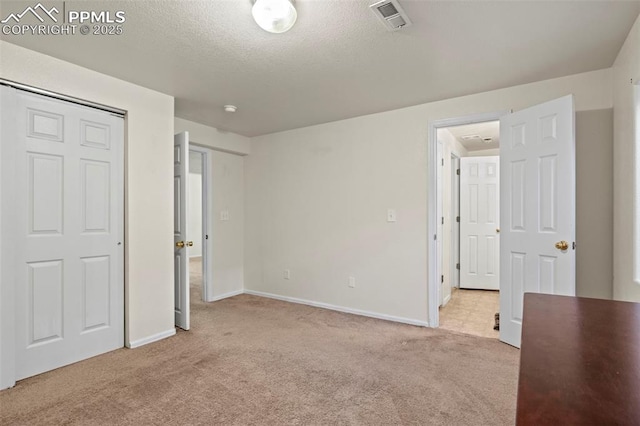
x: 190, y: 243
x: 562, y: 245
x: 180, y: 244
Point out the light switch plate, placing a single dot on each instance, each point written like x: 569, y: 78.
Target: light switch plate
x: 391, y: 215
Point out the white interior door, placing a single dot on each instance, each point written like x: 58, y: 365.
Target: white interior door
x: 480, y: 222
x: 180, y: 203
x: 537, y: 149
x: 62, y: 196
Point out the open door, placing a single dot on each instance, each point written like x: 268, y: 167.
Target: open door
x: 180, y: 203
x: 480, y: 223
x: 537, y: 150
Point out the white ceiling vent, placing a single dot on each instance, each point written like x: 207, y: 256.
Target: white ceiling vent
x: 391, y: 14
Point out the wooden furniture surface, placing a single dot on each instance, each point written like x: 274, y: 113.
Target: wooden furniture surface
x: 579, y: 362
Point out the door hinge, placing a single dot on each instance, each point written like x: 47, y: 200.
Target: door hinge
x: 458, y: 266
x: 441, y: 279
x: 574, y: 245
x: 458, y: 219
x: 443, y: 161
x: 443, y: 220
x: 435, y: 237
x: 458, y: 172
x: 206, y: 237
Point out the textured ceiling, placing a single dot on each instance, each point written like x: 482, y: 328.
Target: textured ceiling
x: 338, y: 61
x: 489, y: 129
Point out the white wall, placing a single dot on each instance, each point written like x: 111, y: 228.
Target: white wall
x: 148, y: 179
x: 228, y: 236
x: 625, y: 158
x: 316, y: 200
x: 226, y: 193
x: 194, y: 225
x: 594, y: 204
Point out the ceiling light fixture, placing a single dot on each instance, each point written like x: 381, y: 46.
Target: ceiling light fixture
x: 230, y: 108
x: 274, y: 16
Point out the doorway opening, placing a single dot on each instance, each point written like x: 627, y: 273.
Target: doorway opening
x: 196, y: 226
x: 192, y: 224
x: 470, y: 225
x: 464, y: 213
x: 537, y: 206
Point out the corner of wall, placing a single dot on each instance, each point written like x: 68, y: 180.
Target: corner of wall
x: 626, y: 250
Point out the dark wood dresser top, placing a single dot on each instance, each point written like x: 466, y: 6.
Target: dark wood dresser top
x: 579, y: 362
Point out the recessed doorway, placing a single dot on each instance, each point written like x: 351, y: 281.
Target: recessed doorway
x: 192, y: 224
x: 470, y: 199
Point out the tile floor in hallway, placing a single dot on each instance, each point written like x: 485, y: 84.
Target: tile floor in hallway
x: 471, y: 312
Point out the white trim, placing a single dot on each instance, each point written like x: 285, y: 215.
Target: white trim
x: 150, y: 339
x: 432, y: 227
x: 7, y: 293
x: 60, y: 96
x: 446, y: 299
x: 635, y: 125
x: 339, y: 308
x: 227, y: 295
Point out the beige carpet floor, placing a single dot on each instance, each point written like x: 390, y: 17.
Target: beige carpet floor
x: 253, y: 361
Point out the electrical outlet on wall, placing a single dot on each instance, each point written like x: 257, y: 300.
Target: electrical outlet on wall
x: 287, y: 274
x: 391, y: 215
x: 352, y: 282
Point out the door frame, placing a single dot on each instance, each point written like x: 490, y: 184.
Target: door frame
x: 207, y: 222
x: 434, y: 270
x: 454, y: 249
x: 635, y: 120
x: 439, y: 214
x: 7, y: 287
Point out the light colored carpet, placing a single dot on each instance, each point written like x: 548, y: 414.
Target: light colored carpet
x: 195, y: 279
x: 253, y: 361
x: 471, y: 312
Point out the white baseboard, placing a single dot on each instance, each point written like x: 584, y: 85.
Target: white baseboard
x: 446, y: 300
x: 339, y: 308
x: 226, y: 295
x: 150, y: 339
x: 168, y: 333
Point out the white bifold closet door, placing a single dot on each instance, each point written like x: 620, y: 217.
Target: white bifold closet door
x: 63, y: 213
